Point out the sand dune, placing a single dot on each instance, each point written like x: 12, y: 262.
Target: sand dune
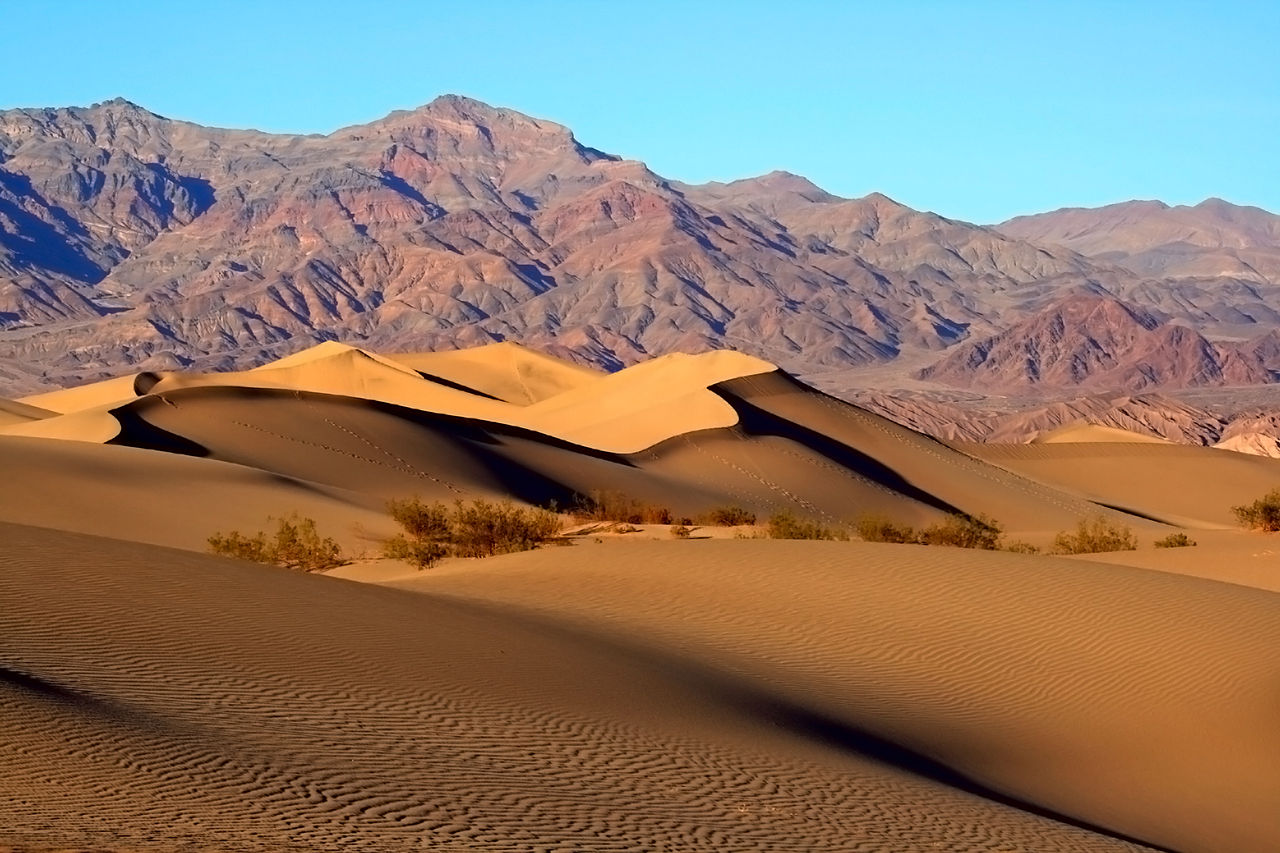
x: 167, y: 498
x: 104, y: 393
x: 937, y: 477
x: 342, y: 370
x: 1183, y: 485
x: 13, y: 412
x: 1147, y: 707
x: 153, y: 698
x: 506, y: 371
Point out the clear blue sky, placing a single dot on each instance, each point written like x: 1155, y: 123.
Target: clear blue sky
x: 978, y: 111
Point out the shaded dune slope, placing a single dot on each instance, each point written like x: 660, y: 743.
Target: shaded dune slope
x: 154, y: 699
x: 1147, y: 706
x: 166, y: 498
x: 932, y: 475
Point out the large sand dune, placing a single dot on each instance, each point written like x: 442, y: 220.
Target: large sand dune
x: 154, y: 699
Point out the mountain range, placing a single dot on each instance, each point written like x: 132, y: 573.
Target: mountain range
x: 129, y: 241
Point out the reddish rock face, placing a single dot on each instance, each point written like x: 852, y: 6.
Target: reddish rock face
x: 1093, y: 341
x: 128, y: 241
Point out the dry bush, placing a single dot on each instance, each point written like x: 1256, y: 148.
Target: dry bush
x: 1263, y: 514
x: 878, y: 528
x: 615, y: 506
x: 728, y: 516
x: 1175, y: 540
x: 1020, y: 548
x: 963, y: 531
x: 681, y: 531
x: 1095, y: 535
x: 784, y: 525
x: 476, y: 529
x: 296, y: 544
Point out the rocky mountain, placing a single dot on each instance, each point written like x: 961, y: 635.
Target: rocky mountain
x: 129, y: 241
x: 1087, y: 340
x: 1213, y: 239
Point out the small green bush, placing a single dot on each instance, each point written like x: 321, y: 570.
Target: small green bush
x: 1263, y: 514
x: 784, y: 525
x: 729, y: 516
x: 476, y: 529
x: 878, y: 528
x: 1175, y: 540
x: 963, y: 531
x: 296, y: 544
x: 1095, y: 535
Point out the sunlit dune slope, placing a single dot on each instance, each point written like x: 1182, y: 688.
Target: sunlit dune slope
x: 1193, y: 486
x: 81, y: 397
x: 506, y: 371
x: 152, y: 697
x: 12, y: 412
x: 1132, y: 700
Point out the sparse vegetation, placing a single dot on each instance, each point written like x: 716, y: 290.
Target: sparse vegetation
x: 1095, y: 535
x: 296, y: 544
x: 729, y: 516
x: 878, y: 528
x: 1020, y: 548
x: 480, y: 528
x: 615, y: 506
x: 784, y: 525
x: 963, y: 531
x: 1263, y: 514
x: 1175, y: 540
x: 680, y: 531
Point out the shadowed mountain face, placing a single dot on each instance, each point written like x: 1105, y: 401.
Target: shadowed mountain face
x: 133, y: 242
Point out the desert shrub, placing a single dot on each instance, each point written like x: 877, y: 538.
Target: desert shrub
x: 1095, y: 535
x: 878, y: 528
x: 483, y: 529
x: 1020, y: 548
x: 476, y: 529
x: 615, y: 506
x: 784, y: 525
x: 962, y: 531
x: 1175, y: 540
x: 680, y: 531
x: 422, y: 553
x: 296, y: 544
x: 1263, y: 514
x: 729, y: 516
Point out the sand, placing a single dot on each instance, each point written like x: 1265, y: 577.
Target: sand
x: 152, y: 699
x: 1082, y: 431
x: 1195, y: 487
x: 638, y: 694
x: 12, y: 412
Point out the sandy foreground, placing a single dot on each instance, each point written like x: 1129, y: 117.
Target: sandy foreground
x: 630, y: 692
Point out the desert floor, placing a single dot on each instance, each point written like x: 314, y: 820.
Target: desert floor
x: 629, y: 691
